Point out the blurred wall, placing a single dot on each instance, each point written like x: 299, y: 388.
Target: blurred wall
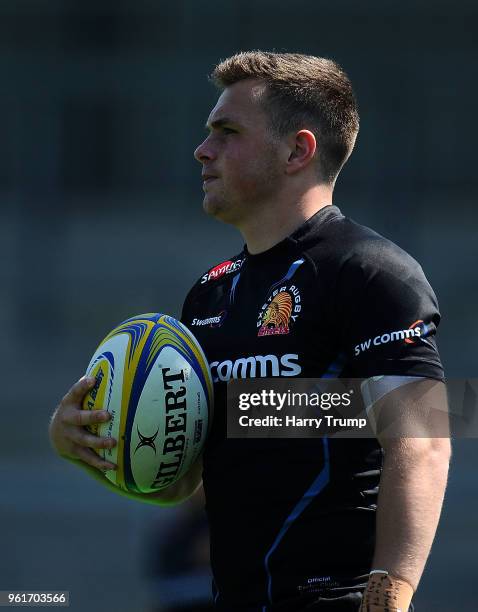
x: 102, y: 106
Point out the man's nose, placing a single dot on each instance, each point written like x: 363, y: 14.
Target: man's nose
x: 204, y: 152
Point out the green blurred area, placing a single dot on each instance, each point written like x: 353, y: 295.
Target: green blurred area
x: 102, y: 106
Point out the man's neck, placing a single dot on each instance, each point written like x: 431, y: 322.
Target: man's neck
x: 274, y: 223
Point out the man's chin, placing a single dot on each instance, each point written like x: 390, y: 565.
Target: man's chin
x: 217, y: 209
x: 211, y: 206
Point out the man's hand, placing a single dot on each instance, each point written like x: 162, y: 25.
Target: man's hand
x: 72, y: 441
x: 385, y: 593
x: 67, y: 430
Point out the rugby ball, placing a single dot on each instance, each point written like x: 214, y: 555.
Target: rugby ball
x: 153, y: 378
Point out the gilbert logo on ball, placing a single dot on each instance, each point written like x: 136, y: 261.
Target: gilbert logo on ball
x: 153, y: 378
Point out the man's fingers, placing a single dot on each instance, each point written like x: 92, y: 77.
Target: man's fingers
x: 69, y: 415
x: 79, y: 390
x: 71, y: 420
x: 81, y: 418
x: 89, y: 440
x: 91, y: 458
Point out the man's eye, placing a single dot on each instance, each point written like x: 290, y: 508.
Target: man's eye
x: 227, y: 130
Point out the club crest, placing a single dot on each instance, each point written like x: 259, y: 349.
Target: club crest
x: 279, y: 311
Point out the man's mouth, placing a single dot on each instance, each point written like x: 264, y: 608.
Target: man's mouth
x: 207, y: 178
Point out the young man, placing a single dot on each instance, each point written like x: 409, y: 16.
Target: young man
x: 299, y: 524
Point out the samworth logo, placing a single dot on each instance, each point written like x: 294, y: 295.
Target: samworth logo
x: 419, y: 329
x: 226, y: 267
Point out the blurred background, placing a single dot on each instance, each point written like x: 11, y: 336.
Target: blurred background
x: 102, y: 104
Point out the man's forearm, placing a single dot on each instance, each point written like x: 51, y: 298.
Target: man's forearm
x: 412, y: 488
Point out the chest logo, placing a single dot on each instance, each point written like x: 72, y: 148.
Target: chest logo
x: 226, y: 267
x: 215, y: 321
x: 281, y: 308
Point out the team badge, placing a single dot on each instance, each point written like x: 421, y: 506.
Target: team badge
x: 279, y: 311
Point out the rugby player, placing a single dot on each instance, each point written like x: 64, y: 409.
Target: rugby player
x: 302, y: 524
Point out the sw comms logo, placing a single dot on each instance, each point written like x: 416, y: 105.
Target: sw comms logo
x: 282, y: 305
x: 226, y: 267
x: 256, y: 366
x: 417, y: 330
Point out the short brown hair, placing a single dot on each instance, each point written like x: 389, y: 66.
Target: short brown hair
x: 302, y: 91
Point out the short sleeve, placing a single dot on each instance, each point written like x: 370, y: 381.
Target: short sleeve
x: 390, y: 315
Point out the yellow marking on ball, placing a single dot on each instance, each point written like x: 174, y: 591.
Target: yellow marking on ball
x: 95, y: 398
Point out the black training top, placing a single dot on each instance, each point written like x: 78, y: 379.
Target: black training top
x: 292, y: 517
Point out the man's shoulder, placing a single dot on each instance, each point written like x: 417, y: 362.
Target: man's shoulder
x: 348, y: 245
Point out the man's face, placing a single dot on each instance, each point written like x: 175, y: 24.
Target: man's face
x: 241, y: 159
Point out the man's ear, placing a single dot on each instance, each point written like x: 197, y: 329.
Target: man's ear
x: 303, y: 146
